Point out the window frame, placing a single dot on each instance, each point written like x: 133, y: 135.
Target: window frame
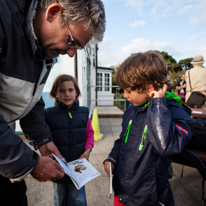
x: 103, y: 83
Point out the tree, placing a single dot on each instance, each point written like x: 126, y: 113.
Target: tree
x: 115, y: 67
x: 172, y: 64
x: 174, y: 69
x: 185, y: 64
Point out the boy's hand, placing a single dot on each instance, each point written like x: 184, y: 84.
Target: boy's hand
x: 107, y: 169
x: 160, y: 93
x: 86, y: 154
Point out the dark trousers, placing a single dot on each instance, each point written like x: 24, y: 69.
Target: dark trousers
x: 12, y: 194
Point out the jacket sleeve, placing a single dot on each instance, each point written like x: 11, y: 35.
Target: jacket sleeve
x: 16, y: 158
x: 34, y: 125
x: 2, y: 41
x: 89, y: 143
x: 169, y: 127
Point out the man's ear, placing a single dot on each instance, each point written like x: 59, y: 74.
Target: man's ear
x: 149, y: 88
x: 52, y: 11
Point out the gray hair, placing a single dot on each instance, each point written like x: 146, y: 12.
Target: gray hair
x: 75, y: 11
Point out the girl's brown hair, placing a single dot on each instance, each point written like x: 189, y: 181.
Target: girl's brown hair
x: 142, y: 69
x: 63, y: 78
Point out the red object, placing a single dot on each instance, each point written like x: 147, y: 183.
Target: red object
x: 182, y: 96
x: 89, y: 143
x: 182, y: 129
x: 116, y: 202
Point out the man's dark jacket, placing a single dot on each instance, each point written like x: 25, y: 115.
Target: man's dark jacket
x: 23, y: 73
x: 140, y: 176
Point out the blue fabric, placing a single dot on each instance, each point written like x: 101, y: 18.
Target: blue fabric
x: 69, y: 134
x: 68, y: 195
x: 141, y: 176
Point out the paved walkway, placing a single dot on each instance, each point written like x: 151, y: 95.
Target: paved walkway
x: 187, y: 191
x: 109, y: 112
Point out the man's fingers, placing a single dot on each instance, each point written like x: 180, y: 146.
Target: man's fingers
x: 56, y: 152
x: 59, y: 168
x: 49, y: 148
x: 47, y: 169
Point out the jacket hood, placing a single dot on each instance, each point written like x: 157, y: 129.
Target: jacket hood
x: 22, y: 4
x: 173, y: 99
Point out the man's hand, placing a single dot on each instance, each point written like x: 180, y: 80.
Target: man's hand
x: 160, y: 93
x: 107, y: 169
x: 48, y: 149
x: 86, y: 154
x: 47, y: 169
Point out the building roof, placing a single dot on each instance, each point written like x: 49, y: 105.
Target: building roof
x: 106, y: 68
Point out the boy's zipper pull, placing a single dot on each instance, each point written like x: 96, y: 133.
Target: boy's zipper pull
x: 70, y: 115
x: 128, y: 129
x: 146, y: 105
x: 143, y: 138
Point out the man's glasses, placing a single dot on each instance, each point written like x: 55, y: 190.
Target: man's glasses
x: 72, y: 43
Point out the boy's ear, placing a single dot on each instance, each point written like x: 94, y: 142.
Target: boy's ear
x: 149, y: 88
x: 53, y: 10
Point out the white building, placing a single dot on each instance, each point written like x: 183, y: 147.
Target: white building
x: 104, y: 93
x: 83, y: 66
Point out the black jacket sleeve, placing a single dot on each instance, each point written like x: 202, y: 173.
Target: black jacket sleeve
x: 170, y: 127
x: 34, y: 125
x: 16, y: 158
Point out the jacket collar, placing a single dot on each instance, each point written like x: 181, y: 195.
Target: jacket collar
x: 30, y: 15
x: 62, y: 106
x: 22, y: 4
x: 140, y: 108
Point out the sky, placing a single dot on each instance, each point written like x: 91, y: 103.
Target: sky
x: 177, y: 27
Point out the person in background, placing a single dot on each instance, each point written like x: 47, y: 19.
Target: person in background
x: 181, y: 88
x: 72, y: 133
x: 153, y: 129
x: 32, y: 34
x: 197, y: 77
x: 169, y: 83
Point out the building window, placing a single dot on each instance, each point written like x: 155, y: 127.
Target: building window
x: 99, y: 81
x: 104, y: 79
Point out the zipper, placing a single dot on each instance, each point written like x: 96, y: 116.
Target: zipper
x: 70, y: 133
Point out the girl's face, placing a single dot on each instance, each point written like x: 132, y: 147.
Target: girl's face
x: 66, y: 93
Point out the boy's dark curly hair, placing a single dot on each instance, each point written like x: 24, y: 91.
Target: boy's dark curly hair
x: 142, y: 69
